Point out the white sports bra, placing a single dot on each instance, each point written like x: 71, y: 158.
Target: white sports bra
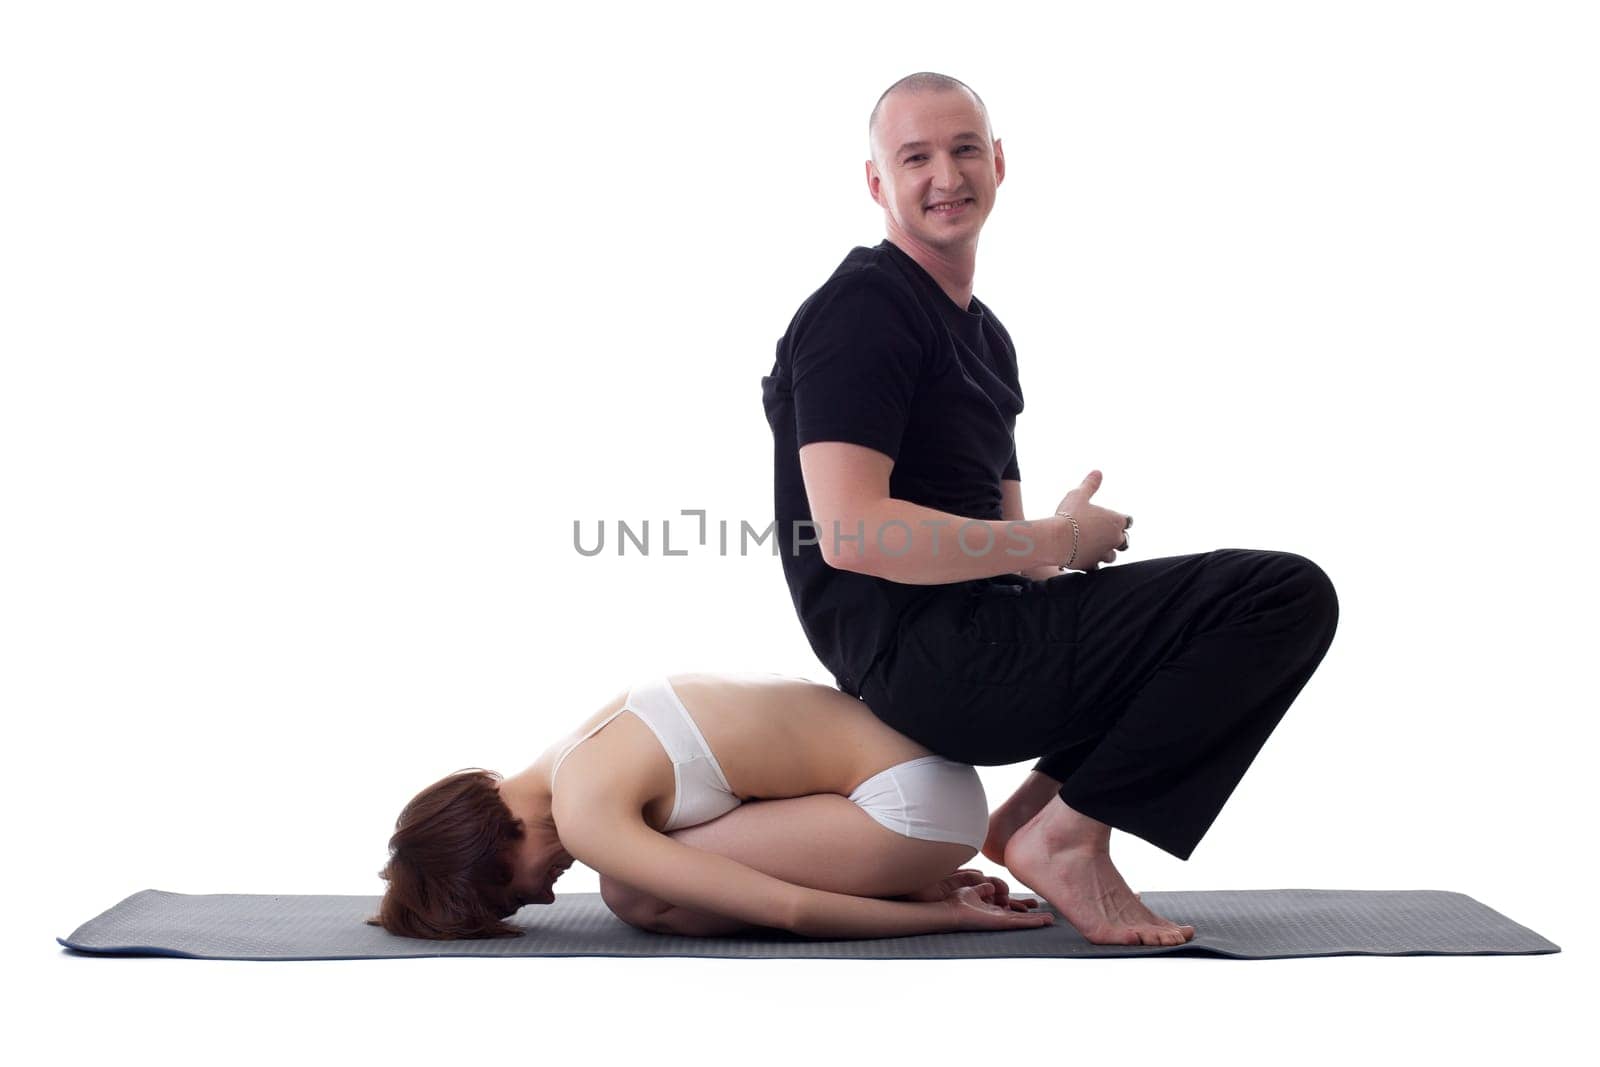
x: 703, y: 792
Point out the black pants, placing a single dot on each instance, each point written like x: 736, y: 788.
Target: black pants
x: 1147, y: 687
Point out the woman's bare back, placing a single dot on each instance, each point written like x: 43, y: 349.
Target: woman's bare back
x: 774, y: 736
x: 788, y: 737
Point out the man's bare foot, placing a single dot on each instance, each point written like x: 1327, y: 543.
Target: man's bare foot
x: 1065, y: 857
x: 1002, y: 825
x: 1034, y: 793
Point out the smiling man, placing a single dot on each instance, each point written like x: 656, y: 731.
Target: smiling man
x: 1148, y: 688
x: 935, y: 169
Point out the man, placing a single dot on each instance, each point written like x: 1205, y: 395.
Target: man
x: 1148, y: 688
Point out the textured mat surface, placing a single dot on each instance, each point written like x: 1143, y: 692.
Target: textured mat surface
x: 1243, y: 924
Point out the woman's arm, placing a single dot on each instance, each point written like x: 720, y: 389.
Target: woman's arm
x: 614, y: 840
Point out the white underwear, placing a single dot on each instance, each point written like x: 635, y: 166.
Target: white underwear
x: 932, y: 799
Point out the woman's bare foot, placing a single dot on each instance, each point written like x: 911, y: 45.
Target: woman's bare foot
x: 1065, y: 857
x: 1034, y: 793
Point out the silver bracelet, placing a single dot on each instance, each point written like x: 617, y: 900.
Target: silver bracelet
x: 1074, y: 522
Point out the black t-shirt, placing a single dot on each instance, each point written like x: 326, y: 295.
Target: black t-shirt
x: 880, y: 356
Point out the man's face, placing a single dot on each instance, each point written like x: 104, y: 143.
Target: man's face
x: 934, y: 149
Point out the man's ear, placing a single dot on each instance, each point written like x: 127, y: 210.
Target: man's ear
x: 999, y: 163
x: 873, y: 181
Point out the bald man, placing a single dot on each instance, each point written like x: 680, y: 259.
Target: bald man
x: 1147, y: 688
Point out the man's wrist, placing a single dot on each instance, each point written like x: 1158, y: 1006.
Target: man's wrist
x: 1062, y: 538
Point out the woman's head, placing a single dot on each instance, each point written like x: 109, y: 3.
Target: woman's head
x: 451, y: 862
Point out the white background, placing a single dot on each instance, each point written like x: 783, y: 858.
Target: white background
x: 323, y: 322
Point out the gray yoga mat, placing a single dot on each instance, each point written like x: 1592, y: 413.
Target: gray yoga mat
x: 1257, y: 924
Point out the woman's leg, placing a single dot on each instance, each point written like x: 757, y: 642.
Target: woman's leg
x: 821, y: 842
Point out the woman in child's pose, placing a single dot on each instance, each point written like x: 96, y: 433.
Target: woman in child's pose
x: 719, y: 802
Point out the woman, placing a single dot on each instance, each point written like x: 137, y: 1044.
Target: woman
x: 720, y: 802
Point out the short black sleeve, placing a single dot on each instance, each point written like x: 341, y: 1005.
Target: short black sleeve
x: 880, y: 356
x: 856, y: 366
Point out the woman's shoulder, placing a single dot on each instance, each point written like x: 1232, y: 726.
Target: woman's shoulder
x: 610, y: 756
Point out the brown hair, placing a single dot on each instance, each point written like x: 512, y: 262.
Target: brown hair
x: 449, y: 871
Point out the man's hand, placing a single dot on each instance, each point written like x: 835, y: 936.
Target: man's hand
x: 1102, y: 533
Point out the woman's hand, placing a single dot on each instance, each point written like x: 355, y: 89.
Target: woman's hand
x: 946, y: 887
x: 973, y: 907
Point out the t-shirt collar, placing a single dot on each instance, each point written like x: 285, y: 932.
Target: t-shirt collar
x: 933, y: 283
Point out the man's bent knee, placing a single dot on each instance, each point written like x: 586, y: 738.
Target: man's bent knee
x: 1312, y: 583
